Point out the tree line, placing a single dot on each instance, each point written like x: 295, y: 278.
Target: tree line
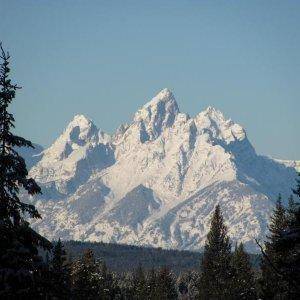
x: 123, y: 257
x: 31, y: 267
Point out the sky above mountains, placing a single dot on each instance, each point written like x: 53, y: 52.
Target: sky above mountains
x: 105, y: 59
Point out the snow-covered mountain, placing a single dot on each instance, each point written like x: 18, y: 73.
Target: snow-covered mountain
x: 157, y: 180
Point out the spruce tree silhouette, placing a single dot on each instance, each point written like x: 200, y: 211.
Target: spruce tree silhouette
x: 217, y: 273
x: 20, y: 263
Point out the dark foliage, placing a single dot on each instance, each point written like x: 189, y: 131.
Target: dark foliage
x: 21, y: 268
x: 217, y: 271
x: 59, y: 270
x: 122, y: 258
x: 288, y: 242
x: 281, y: 256
x: 243, y: 283
x: 271, y: 281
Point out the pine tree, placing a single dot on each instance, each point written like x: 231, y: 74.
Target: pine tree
x: 296, y: 191
x: 215, y: 281
x: 278, y: 220
x: 292, y: 206
x: 20, y: 264
x: 243, y: 283
x: 106, y: 284
x: 187, y: 284
x: 272, y: 283
x: 182, y: 284
x: 125, y: 285
x: 166, y: 286
x: 152, y: 284
x: 288, y: 242
x: 139, y: 281
x: 60, y: 273
x: 82, y: 276
x: 90, y: 279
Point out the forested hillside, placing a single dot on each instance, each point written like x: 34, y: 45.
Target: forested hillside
x: 127, y: 258
x: 121, y: 258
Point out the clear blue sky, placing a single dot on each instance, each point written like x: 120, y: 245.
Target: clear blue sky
x: 107, y: 58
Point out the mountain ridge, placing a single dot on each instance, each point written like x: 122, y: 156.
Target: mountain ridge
x: 171, y: 169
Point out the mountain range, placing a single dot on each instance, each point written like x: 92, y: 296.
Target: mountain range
x: 157, y: 180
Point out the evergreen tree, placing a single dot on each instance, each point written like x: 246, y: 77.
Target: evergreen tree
x: 288, y: 242
x: 83, y: 277
x: 166, y: 286
x: 106, y: 283
x: 20, y: 264
x: 272, y: 283
x: 292, y: 204
x: 182, y: 284
x: 152, y: 284
x: 125, y: 285
x: 215, y: 281
x: 91, y: 279
x: 60, y: 273
x: 243, y: 284
x: 278, y: 221
x: 296, y: 191
x: 140, y: 285
x: 187, y: 284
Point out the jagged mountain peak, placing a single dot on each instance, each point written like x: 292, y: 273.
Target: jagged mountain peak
x: 165, y: 95
x: 81, y: 146
x: 81, y: 121
x: 162, y: 103
x: 156, y: 115
x: 80, y: 128
x: 77, y: 134
x: 214, y: 113
x: 213, y: 122
x: 80, y: 118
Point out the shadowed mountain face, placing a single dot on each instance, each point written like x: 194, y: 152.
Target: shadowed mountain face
x: 157, y: 180
x: 133, y: 209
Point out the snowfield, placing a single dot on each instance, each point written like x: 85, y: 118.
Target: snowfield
x: 156, y: 181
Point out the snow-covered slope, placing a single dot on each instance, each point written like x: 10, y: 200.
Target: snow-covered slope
x: 290, y: 163
x: 157, y: 180
x: 80, y: 150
